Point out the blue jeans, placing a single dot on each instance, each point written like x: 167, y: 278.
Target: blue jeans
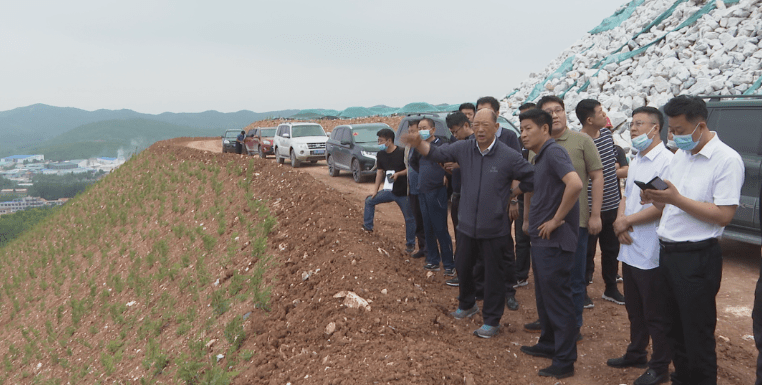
x: 434, y: 210
x: 386, y: 196
x: 578, y: 275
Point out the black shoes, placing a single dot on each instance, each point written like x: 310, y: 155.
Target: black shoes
x: 623, y: 362
x: 409, y: 249
x: 651, y: 378
x: 533, y: 327
x: 587, y: 303
x: 556, y: 372
x: 366, y: 229
x: 536, y: 351
x: 511, y: 303
x: 614, y: 296
x: 453, y: 282
x: 419, y: 254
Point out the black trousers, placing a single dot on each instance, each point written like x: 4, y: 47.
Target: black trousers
x: 491, y: 251
x: 238, y: 148
x: 756, y: 316
x: 609, y: 251
x: 558, y: 318
x: 692, y: 271
x: 454, y: 206
x: 508, y: 272
x: 646, y: 310
x: 420, y: 233
x: 523, y: 247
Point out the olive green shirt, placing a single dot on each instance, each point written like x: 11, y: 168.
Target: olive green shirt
x: 585, y: 159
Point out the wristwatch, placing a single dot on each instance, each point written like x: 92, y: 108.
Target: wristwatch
x: 514, y: 201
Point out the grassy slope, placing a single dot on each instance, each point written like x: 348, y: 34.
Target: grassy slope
x: 107, y: 137
x: 120, y: 283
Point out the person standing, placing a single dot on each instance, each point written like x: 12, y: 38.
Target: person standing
x: 593, y: 119
x: 703, y: 188
x: 523, y: 260
x: 636, y: 226
x: 392, y: 174
x: 432, y: 195
x: 412, y: 194
x: 239, y: 142
x: 488, y: 169
x: 586, y: 161
x: 469, y: 110
x: 551, y: 220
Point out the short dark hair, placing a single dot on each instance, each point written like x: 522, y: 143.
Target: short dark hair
x: 456, y: 119
x: 431, y: 122
x: 385, y: 133
x: 491, y: 101
x: 527, y: 106
x: 693, y: 107
x: 585, y: 109
x: 413, y: 122
x: 243, y: 132
x: 654, y: 112
x: 548, y: 99
x: 538, y: 116
x: 467, y: 106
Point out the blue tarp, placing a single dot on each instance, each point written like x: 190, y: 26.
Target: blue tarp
x: 617, y: 18
x: 753, y: 87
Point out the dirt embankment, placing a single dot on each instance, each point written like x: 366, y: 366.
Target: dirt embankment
x: 407, y: 335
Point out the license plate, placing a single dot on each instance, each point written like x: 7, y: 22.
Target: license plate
x: 318, y: 152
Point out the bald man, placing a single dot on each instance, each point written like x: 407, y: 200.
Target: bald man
x: 488, y: 167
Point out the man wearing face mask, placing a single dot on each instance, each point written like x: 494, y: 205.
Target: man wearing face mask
x: 432, y: 196
x: 390, y: 163
x: 703, y: 188
x: 636, y: 226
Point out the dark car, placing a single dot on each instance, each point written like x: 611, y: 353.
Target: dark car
x: 738, y: 122
x: 353, y: 147
x: 229, y: 139
x: 260, y: 141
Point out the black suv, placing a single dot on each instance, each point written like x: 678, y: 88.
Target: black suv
x: 353, y: 147
x: 738, y: 122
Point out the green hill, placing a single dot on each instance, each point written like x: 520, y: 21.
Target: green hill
x: 107, y: 138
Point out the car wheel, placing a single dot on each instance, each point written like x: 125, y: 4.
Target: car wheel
x: 295, y: 163
x: 277, y: 157
x: 332, y: 170
x: 262, y: 153
x: 356, y: 171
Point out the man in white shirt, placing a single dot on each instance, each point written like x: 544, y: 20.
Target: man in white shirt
x: 635, y: 226
x: 703, y: 191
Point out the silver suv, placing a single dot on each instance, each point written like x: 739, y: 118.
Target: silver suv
x: 299, y: 142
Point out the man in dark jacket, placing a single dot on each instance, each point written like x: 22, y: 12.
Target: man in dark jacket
x: 488, y: 169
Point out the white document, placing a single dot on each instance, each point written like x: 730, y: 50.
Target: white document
x: 387, y: 184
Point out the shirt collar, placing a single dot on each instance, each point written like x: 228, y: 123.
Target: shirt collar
x: 499, y: 132
x: 565, y: 135
x: 544, y: 146
x: 710, y: 146
x: 651, y: 155
x: 488, y: 148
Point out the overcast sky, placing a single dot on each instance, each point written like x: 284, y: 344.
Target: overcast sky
x: 191, y: 56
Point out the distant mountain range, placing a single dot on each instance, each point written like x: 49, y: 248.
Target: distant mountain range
x: 38, y: 126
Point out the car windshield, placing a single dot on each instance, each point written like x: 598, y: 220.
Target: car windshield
x: 365, y: 134
x: 232, y: 134
x: 267, y: 132
x: 308, y: 130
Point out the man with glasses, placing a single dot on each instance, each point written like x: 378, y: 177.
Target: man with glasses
x: 587, y: 164
x: 703, y: 188
x: 635, y: 226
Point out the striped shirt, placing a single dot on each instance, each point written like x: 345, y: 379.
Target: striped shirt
x: 607, y: 152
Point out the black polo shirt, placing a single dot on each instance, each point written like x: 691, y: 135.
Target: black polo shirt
x: 394, y: 161
x: 551, y: 165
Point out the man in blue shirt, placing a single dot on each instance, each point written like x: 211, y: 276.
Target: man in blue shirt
x: 239, y: 142
x: 551, y: 218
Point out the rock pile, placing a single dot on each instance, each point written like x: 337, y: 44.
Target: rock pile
x: 652, y: 50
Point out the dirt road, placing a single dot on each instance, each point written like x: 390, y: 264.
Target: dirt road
x: 606, y: 329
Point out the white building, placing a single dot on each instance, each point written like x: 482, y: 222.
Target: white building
x: 24, y: 158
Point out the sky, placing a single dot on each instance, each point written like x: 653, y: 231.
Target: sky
x: 193, y: 56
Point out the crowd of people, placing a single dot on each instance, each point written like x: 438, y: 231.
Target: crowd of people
x: 560, y: 190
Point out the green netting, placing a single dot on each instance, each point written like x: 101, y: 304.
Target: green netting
x: 315, y: 113
x: 356, y: 112
x: 617, y: 57
x: 416, y: 108
x: 565, y: 67
x: 617, y: 18
x: 383, y: 111
x: 754, y: 87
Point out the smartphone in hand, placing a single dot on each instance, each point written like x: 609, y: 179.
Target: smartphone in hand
x: 654, y: 184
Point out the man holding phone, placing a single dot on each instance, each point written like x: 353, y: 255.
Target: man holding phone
x: 703, y: 191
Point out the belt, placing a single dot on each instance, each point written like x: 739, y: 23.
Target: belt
x: 687, y: 246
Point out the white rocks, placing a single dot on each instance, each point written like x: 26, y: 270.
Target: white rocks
x: 352, y: 300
